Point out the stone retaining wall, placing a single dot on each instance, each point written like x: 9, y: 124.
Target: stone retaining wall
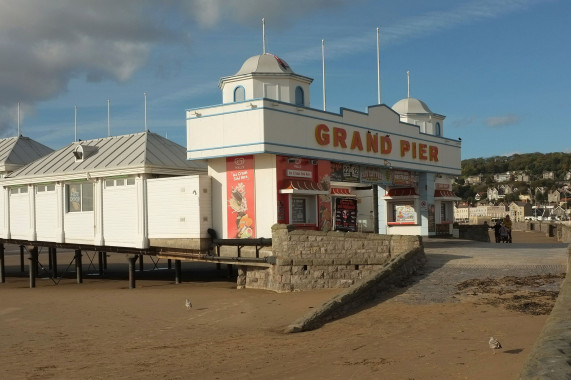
x: 478, y: 232
x: 305, y: 260
x: 559, y: 230
x: 550, y: 357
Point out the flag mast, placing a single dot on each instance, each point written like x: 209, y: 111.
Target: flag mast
x: 323, y: 71
x: 378, y: 65
x: 264, y: 35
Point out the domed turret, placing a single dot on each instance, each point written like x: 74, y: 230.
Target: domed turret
x: 415, y: 111
x: 266, y: 76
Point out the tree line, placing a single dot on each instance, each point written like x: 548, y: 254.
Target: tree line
x: 533, y: 164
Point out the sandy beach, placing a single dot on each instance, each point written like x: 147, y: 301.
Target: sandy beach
x: 102, y: 330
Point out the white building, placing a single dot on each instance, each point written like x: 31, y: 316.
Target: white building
x: 273, y: 159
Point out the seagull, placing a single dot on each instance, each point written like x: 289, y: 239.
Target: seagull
x: 494, y: 344
x: 188, y: 304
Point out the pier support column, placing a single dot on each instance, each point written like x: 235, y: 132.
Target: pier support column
x: 104, y: 260
x: 33, y: 266
x: 78, y: 266
x: 169, y: 261
x: 141, y: 264
x: 132, y: 261
x: 100, y: 262
x: 178, y: 271
x: 22, y: 269
x: 2, y: 265
x: 230, y: 270
x: 54, y: 261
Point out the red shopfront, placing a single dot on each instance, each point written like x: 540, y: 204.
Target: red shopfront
x: 304, y: 198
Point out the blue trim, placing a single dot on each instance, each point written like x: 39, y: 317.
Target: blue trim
x: 318, y: 150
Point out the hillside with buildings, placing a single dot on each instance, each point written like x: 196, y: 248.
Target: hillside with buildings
x: 526, y: 186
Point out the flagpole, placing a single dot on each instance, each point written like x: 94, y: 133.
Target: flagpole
x: 379, y: 65
x: 75, y: 123
x: 108, y: 117
x: 408, y: 83
x: 146, y: 128
x: 18, y: 119
x: 264, y: 35
x: 323, y: 71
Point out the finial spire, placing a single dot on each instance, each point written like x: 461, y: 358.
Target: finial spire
x: 264, y: 35
x: 408, y: 83
x: 379, y: 64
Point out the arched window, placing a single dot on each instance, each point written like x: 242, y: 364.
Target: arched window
x: 437, y: 129
x: 299, y: 96
x: 239, y: 94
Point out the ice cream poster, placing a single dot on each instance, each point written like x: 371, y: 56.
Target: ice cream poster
x: 241, y: 197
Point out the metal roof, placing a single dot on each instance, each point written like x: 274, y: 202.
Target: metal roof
x: 18, y: 151
x: 144, y: 152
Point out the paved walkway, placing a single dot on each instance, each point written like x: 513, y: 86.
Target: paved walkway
x: 451, y: 261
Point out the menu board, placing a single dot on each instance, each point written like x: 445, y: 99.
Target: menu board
x: 341, y: 172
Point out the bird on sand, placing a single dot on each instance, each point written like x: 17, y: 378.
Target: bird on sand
x: 188, y: 304
x: 494, y: 344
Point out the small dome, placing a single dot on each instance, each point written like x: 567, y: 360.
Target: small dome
x: 411, y: 106
x: 264, y: 63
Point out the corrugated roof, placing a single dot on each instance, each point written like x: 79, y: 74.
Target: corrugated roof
x: 144, y: 152
x: 16, y: 152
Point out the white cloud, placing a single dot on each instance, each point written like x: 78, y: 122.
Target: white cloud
x: 501, y: 121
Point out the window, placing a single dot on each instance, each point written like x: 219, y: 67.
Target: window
x: 303, y: 210
x: 445, y: 216
x: 437, y: 129
x: 239, y: 94
x: 299, y: 96
x: 79, y: 197
x: 42, y: 188
x: 19, y: 190
x: 116, y: 182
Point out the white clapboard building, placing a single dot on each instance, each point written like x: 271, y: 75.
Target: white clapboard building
x: 134, y: 190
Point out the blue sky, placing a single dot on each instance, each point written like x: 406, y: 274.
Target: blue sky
x: 498, y: 69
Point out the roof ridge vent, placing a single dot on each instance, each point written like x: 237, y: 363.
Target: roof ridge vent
x: 81, y: 152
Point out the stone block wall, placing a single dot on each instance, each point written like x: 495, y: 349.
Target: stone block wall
x: 307, y: 259
x: 478, y: 232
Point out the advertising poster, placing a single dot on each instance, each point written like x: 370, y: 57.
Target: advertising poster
x: 431, y: 219
x: 405, y: 214
x: 375, y: 175
x: 241, y: 197
x: 346, y: 214
x: 402, y: 178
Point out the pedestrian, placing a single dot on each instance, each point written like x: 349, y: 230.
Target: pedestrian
x: 508, y: 224
x: 496, y: 229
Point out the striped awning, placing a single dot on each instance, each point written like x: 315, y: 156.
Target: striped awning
x: 303, y: 187
x: 341, y: 192
x: 446, y: 195
x: 402, y: 192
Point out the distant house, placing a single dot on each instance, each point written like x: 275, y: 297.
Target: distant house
x: 474, y: 179
x: 493, y: 193
x: 567, y: 176
x: 553, y: 196
x: 479, y: 196
x: 557, y: 213
x: 504, y: 190
x: 519, y: 211
x: 525, y: 198
x: 503, y: 177
x: 522, y: 177
x: 548, y: 175
x: 540, y: 189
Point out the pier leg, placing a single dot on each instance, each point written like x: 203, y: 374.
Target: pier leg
x: 104, y: 260
x: 78, y: 266
x: 54, y: 261
x: 22, y: 269
x: 33, y: 266
x: 2, y: 267
x: 132, y: 260
x: 178, y: 271
x: 230, y: 270
x: 50, y: 264
x: 169, y: 263
x: 141, y: 265
x: 100, y: 262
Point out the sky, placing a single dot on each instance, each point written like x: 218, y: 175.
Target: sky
x: 497, y: 69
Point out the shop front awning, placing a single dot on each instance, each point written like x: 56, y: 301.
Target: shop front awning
x: 401, y: 193
x: 341, y: 192
x: 303, y: 187
x: 445, y: 195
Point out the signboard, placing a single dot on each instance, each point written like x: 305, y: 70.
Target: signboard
x: 341, y: 172
x: 346, y: 214
x: 403, y: 178
x: 241, y: 197
x: 376, y: 175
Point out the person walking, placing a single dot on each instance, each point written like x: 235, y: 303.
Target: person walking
x: 508, y: 224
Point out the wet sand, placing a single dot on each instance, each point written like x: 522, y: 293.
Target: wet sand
x: 101, y: 329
